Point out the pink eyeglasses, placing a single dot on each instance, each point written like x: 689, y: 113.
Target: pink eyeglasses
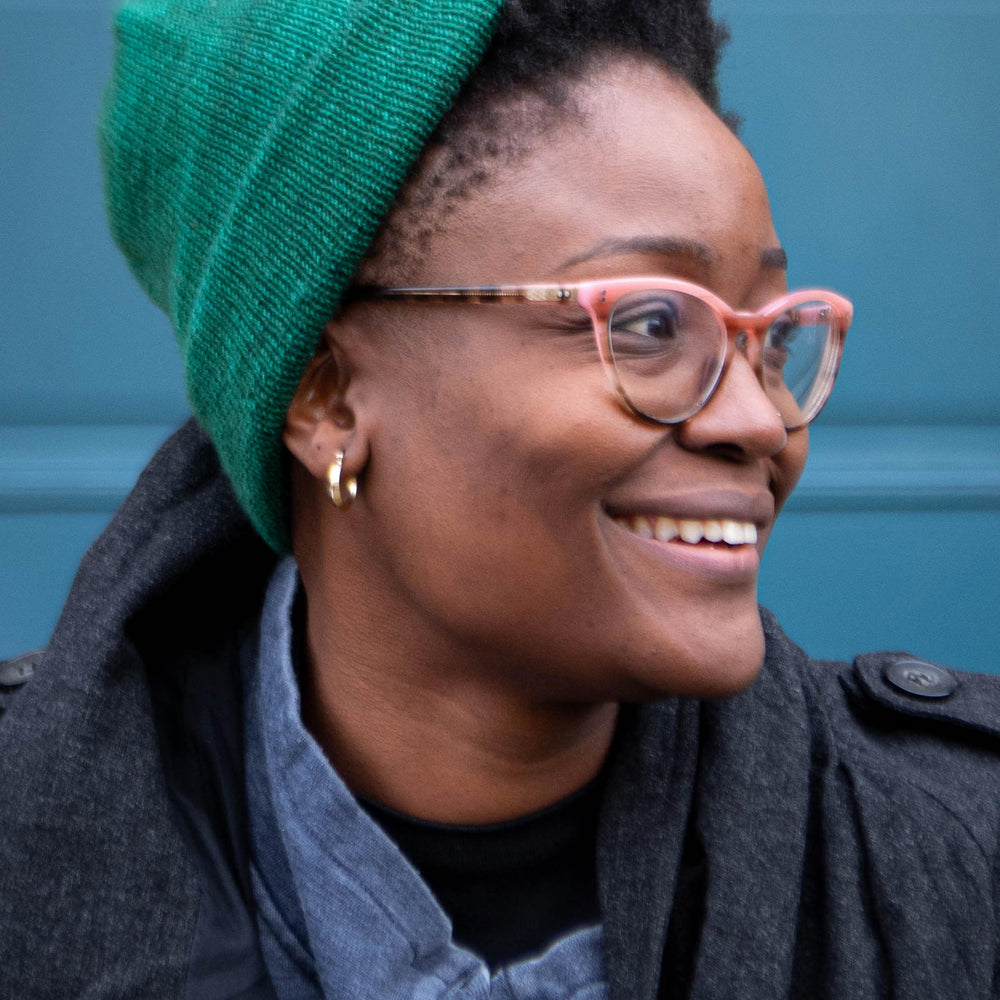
x: 664, y: 343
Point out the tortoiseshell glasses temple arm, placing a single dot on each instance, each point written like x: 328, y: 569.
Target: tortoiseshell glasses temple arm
x: 483, y: 293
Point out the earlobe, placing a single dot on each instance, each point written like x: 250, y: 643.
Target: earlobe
x: 320, y: 422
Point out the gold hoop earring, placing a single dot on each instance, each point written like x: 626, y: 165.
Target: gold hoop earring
x: 342, y: 491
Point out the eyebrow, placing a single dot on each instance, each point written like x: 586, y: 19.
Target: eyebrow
x: 774, y: 257
x: 668, y: 246
x: 665, y: 246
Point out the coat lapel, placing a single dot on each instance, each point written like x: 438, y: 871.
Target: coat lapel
x: 703, y: 840
x: 641, y: 839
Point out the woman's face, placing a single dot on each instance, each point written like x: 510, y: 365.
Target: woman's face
x: 505, y: 498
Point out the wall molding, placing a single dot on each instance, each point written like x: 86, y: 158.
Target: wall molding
x: 882, y: 468
x: 72, y: 468
x: 63, y: 469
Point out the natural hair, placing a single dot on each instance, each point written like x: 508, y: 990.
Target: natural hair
x: 539, y: 49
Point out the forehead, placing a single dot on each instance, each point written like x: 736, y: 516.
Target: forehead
x: 638, y: 160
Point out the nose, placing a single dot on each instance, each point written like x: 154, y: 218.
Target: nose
x: 739, y: 419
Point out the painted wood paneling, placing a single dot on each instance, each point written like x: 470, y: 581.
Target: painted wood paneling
x: 874, y: 124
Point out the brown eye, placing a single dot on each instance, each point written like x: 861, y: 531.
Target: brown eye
x: 781, y: 336
x: 646, y: 325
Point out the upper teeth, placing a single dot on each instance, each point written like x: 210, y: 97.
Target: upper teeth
x: 666, y: 529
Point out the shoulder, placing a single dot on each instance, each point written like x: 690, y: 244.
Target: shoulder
x: 898, y: 732
x: 120, y: 751
x: 15, y: 674
x: 906, y: 693
x: 896, y: 804
x: 89, y: 856
x: 897, y: 701
x: 892, y: 691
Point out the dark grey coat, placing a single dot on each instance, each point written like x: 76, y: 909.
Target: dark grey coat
x: 824, y: 834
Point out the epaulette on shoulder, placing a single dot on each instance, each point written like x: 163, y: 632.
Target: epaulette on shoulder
x: 906, y: 685
x: 15, y: 673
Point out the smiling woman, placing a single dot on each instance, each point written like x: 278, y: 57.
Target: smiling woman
x: 542, y: 467
x: 427, y: 662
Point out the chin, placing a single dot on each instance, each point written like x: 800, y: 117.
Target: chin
x: 717, y: 663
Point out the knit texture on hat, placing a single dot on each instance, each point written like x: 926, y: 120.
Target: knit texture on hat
x: 251, y: 149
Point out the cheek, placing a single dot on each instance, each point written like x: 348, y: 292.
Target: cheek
x: 493, y: 476
x: 788, y: 468
x: 503, y: 429
x: 790, y: 464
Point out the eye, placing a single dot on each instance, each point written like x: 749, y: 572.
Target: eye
x: 658, y: 318
x: 781, y: 335
x: 650, y: 324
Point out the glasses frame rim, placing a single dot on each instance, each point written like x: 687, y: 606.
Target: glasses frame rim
x: 598, y: 299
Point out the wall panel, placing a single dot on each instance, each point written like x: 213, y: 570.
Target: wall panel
x: 875, y: 126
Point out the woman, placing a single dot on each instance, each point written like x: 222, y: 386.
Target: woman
x: 509, y: 722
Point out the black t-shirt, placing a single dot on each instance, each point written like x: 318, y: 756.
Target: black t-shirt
x: 509, y: 888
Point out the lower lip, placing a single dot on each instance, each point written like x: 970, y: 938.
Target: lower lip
x: 731, y: 563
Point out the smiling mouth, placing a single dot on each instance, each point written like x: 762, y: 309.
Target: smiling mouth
x: 691, y: 531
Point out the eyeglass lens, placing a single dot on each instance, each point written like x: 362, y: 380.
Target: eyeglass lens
x: 669, y: 347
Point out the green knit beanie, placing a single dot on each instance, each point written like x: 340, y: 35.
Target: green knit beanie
x: 251, y: 148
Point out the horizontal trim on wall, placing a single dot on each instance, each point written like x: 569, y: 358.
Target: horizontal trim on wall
x: 64, y: 468
x: 901, y: 468
x: 74, y: 468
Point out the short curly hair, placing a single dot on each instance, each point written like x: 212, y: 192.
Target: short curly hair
x: 539, y: 49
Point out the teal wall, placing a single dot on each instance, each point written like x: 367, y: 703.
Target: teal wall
x: 876, y: 127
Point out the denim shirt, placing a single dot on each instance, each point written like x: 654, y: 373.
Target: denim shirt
x: 342, y: 914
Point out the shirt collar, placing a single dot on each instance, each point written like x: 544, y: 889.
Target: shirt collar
x: 343, y: 908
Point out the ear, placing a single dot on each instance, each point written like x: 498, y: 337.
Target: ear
x: 320, y: 420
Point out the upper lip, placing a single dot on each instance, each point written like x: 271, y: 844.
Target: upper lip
x: 706, y: 505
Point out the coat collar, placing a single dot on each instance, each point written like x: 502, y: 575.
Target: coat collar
x: 704, y: 838
x: 134, y: 730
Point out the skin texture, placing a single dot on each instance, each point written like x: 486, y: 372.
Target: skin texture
x: 476, y: 616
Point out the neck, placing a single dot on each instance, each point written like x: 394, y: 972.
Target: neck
x: 437, y: 737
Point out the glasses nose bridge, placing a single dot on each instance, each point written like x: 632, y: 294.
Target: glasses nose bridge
x: 740, y: 327
x: 746, y: 322
x: 745, y: 333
